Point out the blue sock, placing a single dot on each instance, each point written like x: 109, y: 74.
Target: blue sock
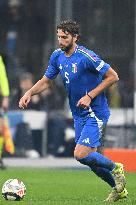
x: 104, y: 174
x: 98, y: 160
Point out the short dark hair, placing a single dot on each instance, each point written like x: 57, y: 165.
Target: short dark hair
x: 71, y: 27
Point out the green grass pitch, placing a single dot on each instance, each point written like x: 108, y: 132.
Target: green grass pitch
x: 63, y: 187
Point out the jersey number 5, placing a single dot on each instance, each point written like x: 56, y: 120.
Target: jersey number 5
x: 66, y: 76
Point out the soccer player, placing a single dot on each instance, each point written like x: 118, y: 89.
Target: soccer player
x: 4, y: 94
x: 85, y: 77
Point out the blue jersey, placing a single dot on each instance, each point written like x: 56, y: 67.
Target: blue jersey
x: 81, y: 73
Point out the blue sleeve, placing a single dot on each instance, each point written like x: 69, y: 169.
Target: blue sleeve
x: 52, y: 69
x: 95, y: 63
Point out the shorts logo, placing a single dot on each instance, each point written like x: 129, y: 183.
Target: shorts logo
x: 86, y: 141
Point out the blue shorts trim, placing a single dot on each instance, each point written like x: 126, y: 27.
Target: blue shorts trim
x: 88, y: 132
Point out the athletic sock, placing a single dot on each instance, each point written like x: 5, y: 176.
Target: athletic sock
x: 104, y: 174
x: 98, y: 160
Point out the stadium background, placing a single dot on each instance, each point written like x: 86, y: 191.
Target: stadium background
x: 27, y: 38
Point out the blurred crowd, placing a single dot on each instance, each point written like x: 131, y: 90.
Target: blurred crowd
x: 23, y: 37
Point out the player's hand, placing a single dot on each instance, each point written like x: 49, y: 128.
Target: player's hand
x: 25, y: 100
x: 84, y: 102
x: 5, y: 103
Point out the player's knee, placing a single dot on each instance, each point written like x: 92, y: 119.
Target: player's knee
x: 78, y: 154
x: 81, y: 152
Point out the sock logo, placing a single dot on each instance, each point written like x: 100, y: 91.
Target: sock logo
x: 86, y: 141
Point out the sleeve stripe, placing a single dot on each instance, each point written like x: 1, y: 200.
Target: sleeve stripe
x: 100, y: 65
x: 86, y: 54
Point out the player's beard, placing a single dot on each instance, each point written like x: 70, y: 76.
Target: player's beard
x: 66, y: 48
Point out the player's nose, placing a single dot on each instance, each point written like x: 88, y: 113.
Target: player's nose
x: 60, y: 42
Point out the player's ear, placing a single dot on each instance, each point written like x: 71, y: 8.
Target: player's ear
x: 76, y: 37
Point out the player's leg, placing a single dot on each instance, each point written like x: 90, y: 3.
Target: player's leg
x: 85, y: 153
x: 107, y: 176
x: 103, y: 173
x: 89, y: 156
x: 87, y: 143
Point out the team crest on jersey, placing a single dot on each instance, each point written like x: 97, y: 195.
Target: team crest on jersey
x: 74, y: 67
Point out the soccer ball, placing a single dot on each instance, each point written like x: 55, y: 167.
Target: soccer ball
x: 13, y: 190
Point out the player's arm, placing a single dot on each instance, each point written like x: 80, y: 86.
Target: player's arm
x: 40, y: 86
x: 43, y: 84
x: 110, y: 78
